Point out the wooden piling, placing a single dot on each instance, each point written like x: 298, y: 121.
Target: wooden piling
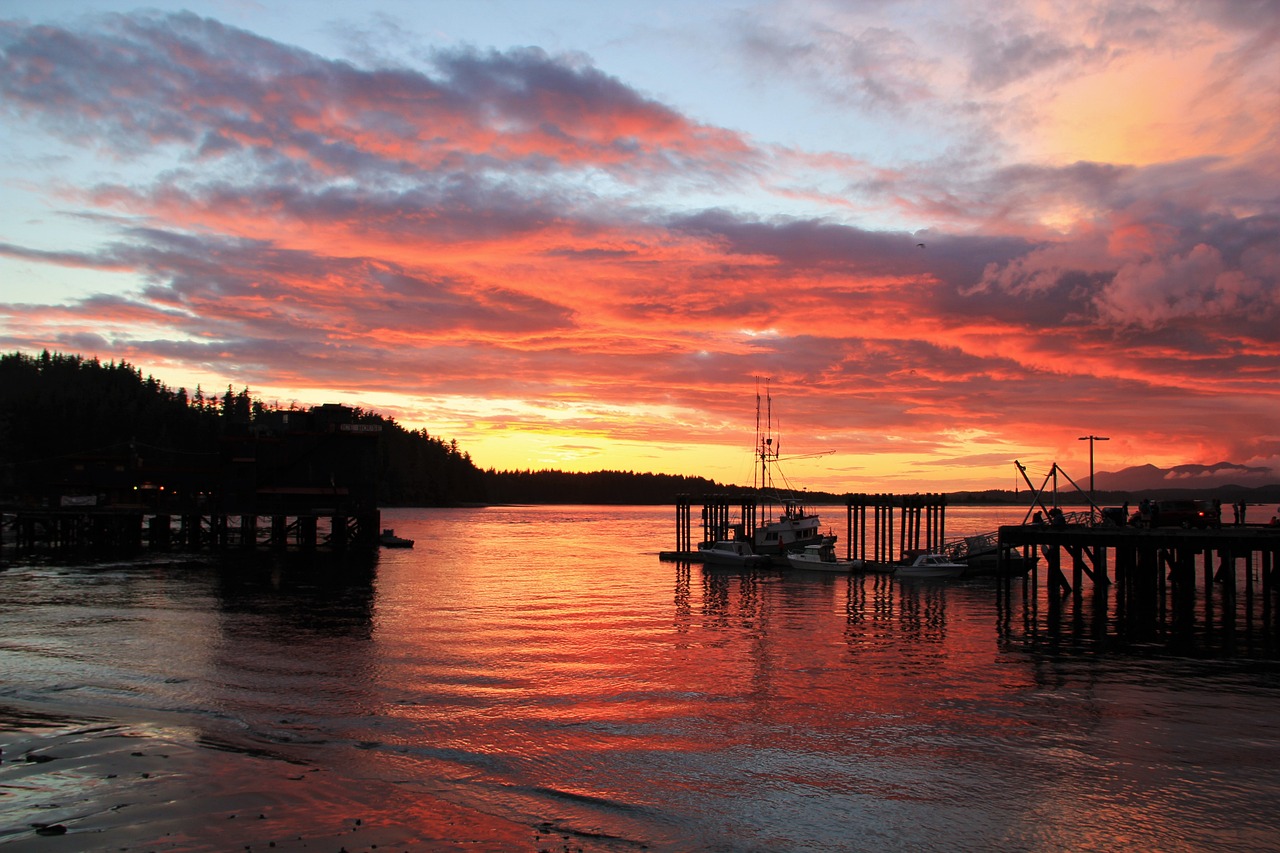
x: 1158, y: 594
x: 898, y: 524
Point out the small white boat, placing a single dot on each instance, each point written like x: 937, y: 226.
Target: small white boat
x: 925, y: 564
x: 389, y: 539
x: 821, y: 558
x: 731, y: 552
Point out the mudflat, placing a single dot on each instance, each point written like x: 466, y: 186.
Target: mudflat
x: 83, y: 784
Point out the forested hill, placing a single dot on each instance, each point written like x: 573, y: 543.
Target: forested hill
x: 596, y: 487
x: 55, y: 406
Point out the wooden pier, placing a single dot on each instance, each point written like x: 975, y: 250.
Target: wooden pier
x: 1179, y: 587
x: 116, y: 530
x: 921, y: 525
x: 879, y: 528
x: 291, y: 479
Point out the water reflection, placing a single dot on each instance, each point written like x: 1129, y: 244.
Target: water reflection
x: 299, y: 593
x: 1171, y: 608
x: 507, y: 664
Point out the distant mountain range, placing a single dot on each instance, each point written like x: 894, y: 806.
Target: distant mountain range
x: 1145, y: 478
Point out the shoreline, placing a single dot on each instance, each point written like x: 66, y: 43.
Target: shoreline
x: 87, y: 783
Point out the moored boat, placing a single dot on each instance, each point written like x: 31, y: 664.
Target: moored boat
x: 983, y: 556
x: 771, y: 526
x: 795, y: 526
x: 821, y: 558
x: 389, y: 539
x: 989, y: 564
x: 928, y: 564
x: 735, y: 553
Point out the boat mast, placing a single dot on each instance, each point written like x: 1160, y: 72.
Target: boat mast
x: 764, y: 444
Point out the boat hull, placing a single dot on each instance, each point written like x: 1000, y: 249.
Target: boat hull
x: 929, y: 572
x: 805, y: 563
x: 988, y: 566
x: 736, y: 555
x: 389, y: 539
x: 924, y: 565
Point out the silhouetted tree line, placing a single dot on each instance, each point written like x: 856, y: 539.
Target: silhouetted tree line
x: 56, y: 407
x: 596, y: 487
x: 53, y: 407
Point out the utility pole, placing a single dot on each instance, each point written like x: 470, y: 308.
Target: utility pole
x: 1091, y: 439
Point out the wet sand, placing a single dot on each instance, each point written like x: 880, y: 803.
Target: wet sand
x: 78, y: 785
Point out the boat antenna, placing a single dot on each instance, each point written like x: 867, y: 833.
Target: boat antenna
x: 765, y: 447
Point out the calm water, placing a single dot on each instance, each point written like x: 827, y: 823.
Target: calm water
x: 542, y: 664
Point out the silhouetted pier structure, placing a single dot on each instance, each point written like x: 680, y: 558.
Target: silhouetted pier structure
x: 122, y: 529
x: 879, y: 528
x: 872, y: 535
x: 1169, y: 585
x: 292, y: 479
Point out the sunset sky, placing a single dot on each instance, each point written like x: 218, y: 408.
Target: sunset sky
x: 571, y: 234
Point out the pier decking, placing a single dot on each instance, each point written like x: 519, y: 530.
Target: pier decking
x: 292, y: 479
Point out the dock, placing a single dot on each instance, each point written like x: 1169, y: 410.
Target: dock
x: 123, y: 530
x: 291, y: 480
x: 1173, y: 586
x: 1182, y: 590
x: 878, y: 528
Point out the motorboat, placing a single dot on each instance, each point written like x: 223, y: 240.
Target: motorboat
x: 928, y: 564
x: 821, y: 558
x: 736, y: 553
x: 389, y: 539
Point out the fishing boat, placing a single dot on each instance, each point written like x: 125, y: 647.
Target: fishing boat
x: 734, y: 553
x: 821, y: 558
x: 928, y: 564
x: 785, y: 523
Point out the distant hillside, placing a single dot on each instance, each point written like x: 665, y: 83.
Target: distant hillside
x: 1198, y: 477
x: 598, y: 487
